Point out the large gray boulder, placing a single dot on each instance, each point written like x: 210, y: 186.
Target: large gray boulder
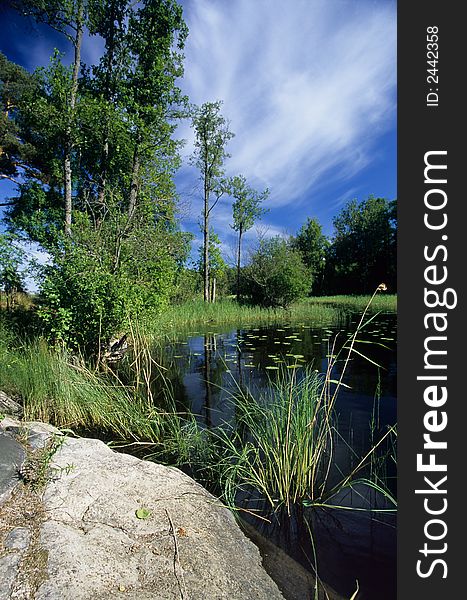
x: 188, y: 544
x: 8, y: 406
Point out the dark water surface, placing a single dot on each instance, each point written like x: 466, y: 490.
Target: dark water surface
x: 207, y: 365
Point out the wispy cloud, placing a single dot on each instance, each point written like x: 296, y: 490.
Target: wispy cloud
x: 308, y: 85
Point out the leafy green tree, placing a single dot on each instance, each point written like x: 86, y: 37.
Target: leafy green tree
x: 108, y: 19
x: 313, y: 246
x: 363, y: 251
x: 86, y: 301
x: 122, y: 249
x: 40, y: 122
x: 16, y: 153
x: 276, y: 274
x: 247, y: 210
x: 69, y: 18
x: 211, y: 137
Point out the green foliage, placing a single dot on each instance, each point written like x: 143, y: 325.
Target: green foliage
x: 276, y: 274
x: 143, y: 513
x: 313, y: 246
x: 11, y: 258
x: 56, y: 391
x: 363, y: 250
x: 11, y: 255
x: 246, y: 210
x: 247, y: 207
x: 283, y: 447
x: 112, y: 129
x: 278, y: 446
x: 101, y: 279
x: 188, y: 285
x: 218, y: 265
x: 16, y: 84
x: 212, y: 135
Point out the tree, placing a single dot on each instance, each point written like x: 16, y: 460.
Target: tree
x: 276, y: 274
x: 211, y: 137
x: 218, y: 266
x: 362, y: 254
x: 247, y: 210
x: 125, y: 247
x: 313, y: 246
x: 69, y: 18
x: 15, y: 85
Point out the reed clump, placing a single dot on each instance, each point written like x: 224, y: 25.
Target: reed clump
x: 282, y: 447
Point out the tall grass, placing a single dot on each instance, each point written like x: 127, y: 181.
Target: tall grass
x: 68, y: 394
x: 229, y: 312
x: 284, y: 441
x: 380, y: 303
x: 277, y: 445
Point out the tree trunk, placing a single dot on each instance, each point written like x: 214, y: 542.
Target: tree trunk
x: 213, y: 290
x: 239, y: 250
x: 206, y: 244
x: 134, y: 183
x: 73, y: 93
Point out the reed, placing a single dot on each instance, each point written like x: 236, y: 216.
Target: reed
x: 283, y: 445
x: 229, y: 312
x: 65, y: 392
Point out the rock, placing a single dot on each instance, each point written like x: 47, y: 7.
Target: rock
x: 18, y: 539
x: 186, y: 545
x: 11, y: 457
x: 8, y: 569
x: 35, y: 433
x: 9, y: 406
x: 38, y: 434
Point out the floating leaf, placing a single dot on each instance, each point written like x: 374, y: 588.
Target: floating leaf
x: 143, y: 513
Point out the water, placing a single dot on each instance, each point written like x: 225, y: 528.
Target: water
x: 207, y: 365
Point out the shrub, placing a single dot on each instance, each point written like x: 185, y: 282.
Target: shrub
x: 276, y: 275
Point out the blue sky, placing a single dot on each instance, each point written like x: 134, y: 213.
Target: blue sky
x: 309, y: 88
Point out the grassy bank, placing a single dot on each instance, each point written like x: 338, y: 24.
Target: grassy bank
x: 63, y: 390
x: 57, y: 389
x: 380, y: 303
x: 318, y: 310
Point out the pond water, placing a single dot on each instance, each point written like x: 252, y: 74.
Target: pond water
x: 207, y: 365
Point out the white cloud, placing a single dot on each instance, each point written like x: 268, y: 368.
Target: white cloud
x: 308, y: 85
